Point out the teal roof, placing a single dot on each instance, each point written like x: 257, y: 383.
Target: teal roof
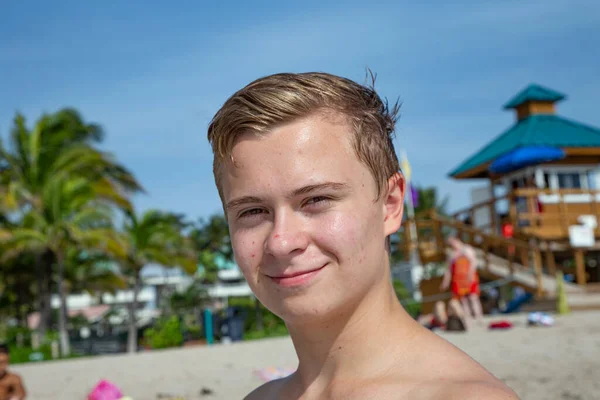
x: 546, y: 130
x: 534, y: 92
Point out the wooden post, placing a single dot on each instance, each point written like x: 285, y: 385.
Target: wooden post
x: 524, y: 257
x: 580, y: 267
x: 562, y: 215
x: 486, y: 252
x: 492, y: 206
x: 512, y: 210
x: 550, y: 260
x: 531, y: 210
x: 595, y: 211
x: 511, y: 261
x: 537, y: 265
x: 439, y: 238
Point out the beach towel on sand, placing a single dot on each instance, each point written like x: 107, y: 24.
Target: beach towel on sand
x: 272, y: 373
x: 500, y: 325
x: 105, y: 390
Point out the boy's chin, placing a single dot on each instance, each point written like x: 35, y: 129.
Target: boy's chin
x: 298, y: 312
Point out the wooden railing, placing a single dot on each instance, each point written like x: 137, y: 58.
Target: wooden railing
x: 539, y: 213
x: 534, y: 255
x: 432, y: 236
x: 547, y: 214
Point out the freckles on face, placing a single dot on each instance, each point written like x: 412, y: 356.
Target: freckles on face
x: 268, y: 203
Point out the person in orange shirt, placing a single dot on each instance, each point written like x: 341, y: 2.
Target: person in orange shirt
x: 462, y: 275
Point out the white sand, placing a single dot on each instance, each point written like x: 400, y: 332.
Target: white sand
x: 559, y: 362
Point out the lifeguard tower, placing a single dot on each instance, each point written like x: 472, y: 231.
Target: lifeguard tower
x: 537, y: 209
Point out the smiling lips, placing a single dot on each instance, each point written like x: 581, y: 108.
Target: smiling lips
x: 296, y: 278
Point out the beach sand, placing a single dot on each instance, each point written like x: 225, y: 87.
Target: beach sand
x: 558, y: 362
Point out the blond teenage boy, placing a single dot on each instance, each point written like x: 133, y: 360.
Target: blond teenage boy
x: 309, y: 179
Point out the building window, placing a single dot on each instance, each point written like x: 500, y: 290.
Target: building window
x: 569, y: 180
x: 547, y: 180
x: 591, y: 178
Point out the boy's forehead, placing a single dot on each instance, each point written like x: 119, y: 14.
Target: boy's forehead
x: 302, y: 152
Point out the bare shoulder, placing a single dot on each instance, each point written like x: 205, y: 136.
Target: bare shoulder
x: 13, y: 379
x: 463, y: 390
x: 443, y: 371
x: 269, y: 390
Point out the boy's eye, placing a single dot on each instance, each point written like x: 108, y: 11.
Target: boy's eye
x: 316, y: 200
x: 251, y: 212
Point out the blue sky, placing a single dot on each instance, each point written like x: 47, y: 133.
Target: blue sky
x: 153, y: 73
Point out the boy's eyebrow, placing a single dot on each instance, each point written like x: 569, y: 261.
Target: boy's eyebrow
x: 300, y: 191
x: 320, y: 186
x: 241, y: 201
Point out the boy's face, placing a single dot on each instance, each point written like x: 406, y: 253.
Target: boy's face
x: 306, y: 230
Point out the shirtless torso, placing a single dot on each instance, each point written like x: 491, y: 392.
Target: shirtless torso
x: 11, y: 387
x: 438, y: 371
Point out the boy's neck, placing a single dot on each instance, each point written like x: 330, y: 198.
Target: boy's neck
x: 360, y: 344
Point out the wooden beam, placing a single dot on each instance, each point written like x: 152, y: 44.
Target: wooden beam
x: 474, y: 172
x: 534, y: 107
x: 580, y: 267
x: 537, y: 265
x: 493, y: 215
x: 550, y: 261
x: 582, y: 151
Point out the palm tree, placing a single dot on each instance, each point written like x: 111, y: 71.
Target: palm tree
x: 59, y: 146
x: 211, y: 238
x: 428, y: 199
x: 92, y: 271
x: 155, y: 237
x: 72, y: 216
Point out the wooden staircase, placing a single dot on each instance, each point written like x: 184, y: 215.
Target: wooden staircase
x: 519, y: 261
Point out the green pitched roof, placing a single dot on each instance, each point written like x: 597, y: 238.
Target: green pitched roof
x: 534, y: 92
x: 546, y: 130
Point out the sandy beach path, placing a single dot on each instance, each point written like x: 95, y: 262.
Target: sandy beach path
x: 559, y: 362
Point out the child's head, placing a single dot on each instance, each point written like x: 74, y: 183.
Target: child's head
x: 4, y: 357
x: 455, y: 242
x: 308, y: 176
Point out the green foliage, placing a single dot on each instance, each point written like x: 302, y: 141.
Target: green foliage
x: 434, y: 270
x: 190, y: 299
x: 166, y: 333
x: 273, y: 326
x: 19, y: 355
x: 211, y: 240
x: 277, y: 331
x: 60, y: 191
x: 428, y: 200
x: 411, y: 307
x: 194, y: 331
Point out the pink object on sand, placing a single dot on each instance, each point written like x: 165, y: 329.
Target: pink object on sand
x: 105, y: 390
x: 272, y: 373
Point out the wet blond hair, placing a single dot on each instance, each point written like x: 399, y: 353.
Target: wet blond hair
x: 282, y: 98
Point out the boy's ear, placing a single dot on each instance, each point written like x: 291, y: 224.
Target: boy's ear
x: 394, y: 203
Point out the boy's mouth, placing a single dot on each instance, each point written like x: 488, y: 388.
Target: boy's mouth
x: 296, y: 278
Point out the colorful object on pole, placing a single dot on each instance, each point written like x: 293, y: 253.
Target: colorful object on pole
x: 415, y: 196
x: 405, y: 166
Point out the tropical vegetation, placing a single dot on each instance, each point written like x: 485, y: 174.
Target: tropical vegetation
x: 68, y: 226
